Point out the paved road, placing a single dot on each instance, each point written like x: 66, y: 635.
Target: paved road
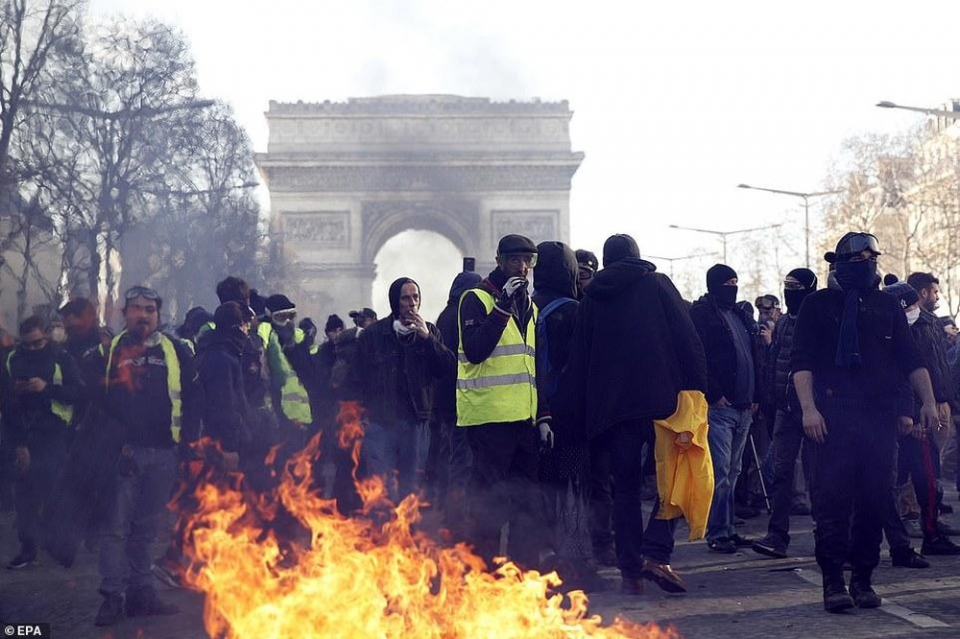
x: 742, y: 596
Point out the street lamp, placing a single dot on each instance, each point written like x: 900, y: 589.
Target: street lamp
x: 942, y: 113
x: 671, y: 260
x: 806, y: 209
x: 723, y: 234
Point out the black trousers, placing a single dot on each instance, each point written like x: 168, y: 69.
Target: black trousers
x: 851, y: 476
x: 504, y: 489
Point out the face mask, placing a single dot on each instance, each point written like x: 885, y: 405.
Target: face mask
x: 794, y: 298
x: 857, y: 275
x: 913, y: 316
x: 726, y: 296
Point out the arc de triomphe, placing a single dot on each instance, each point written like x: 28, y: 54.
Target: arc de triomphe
x: 346, y: 177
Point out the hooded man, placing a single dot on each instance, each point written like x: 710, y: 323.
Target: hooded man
x: 394, y: 375
x: 633, y: 325
x: 458, y: 458
x: 851, y: 349
x: 788, y: 425
x: 725, y: 330
x: 39, y: 383
x: 587, y: 265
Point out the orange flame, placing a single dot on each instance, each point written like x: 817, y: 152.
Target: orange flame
x: 358, y: 578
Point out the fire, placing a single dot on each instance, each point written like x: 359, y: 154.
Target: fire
x: 371, y: 576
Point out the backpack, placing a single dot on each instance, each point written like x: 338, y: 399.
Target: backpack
x: 548, y: 379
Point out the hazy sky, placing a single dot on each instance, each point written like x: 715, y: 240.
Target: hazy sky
x: 675, y: 102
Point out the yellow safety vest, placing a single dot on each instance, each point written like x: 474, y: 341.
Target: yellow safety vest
x: 61, y: 410
x: 503, y: 387
x: 294, y: 401
x: 173, y: 379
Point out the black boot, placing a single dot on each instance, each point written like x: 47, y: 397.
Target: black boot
x: 835, y: 596
x: 111, y: 610
x: 862, y: 592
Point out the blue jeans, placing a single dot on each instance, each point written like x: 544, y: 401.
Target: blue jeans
x: 727, y: 437
x: 131, y: 525
x: 398, y: 453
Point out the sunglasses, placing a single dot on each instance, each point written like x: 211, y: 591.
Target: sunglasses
x: 859, y: 243
x: 515, y: 260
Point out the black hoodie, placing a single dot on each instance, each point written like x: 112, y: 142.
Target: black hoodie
x: 445, y: 402
x: 227, y: 416
x: 633, y: 350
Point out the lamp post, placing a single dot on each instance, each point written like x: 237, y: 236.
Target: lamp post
x: 671, y: 260
x: 723, y: 234
x: 942, y: 113
x: 806, y: 209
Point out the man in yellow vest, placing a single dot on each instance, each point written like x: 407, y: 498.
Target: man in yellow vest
x: 497, y: 404
x: 39, y: 383
x: 150, y: 392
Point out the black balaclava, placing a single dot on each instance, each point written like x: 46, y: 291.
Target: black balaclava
x: 725, y: 296
x: 394, y: 294
x: 228, y: 318
x: 794, y: 298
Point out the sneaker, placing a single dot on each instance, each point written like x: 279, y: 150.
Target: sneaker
x: 908, y: 558
x: 663, y: 576
x: 23, y: 559
x: 111, y: 610
x: 144, y: 602
x: 914, y: 531
x: 771, y: 546
x: 939, y: 546
x: 722, y: 545
x: 741, y: 542
x: 630, y: 586
x: 166, y: 574
x: 799, y: 509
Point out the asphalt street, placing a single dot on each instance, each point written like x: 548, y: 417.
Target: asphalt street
x: 744, y: 596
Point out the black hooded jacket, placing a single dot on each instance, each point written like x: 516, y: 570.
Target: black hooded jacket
x: 634, y: 349
x: 227, y: 416
x: 445, y: 403
x: 555, y: 277
x: 394, y: 376
x: 28, y: 417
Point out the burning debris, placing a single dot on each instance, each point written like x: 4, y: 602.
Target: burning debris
x: 370, y: 576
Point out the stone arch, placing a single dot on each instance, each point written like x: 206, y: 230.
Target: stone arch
x: 384, y: 222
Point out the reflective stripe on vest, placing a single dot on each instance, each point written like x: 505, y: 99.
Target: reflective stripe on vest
x: 61, y: 410
x: 503, y: 387
x: 173, y: 380
x: 294, y: 401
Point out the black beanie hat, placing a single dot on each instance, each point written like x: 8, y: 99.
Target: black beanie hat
x: 394, y: 292
x: 333, y: 323
x: 588, y: 259
x: 277, y: 303
x: 717, y: 275
x: 619, y: 247
x: 805, y: 276
x: 905, y: 294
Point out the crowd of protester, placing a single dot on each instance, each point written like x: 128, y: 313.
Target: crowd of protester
x: 555, y: 410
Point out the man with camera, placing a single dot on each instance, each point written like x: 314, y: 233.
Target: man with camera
x: 497, y: 403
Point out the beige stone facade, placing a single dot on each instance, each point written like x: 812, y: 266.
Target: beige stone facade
x: 346, y: 177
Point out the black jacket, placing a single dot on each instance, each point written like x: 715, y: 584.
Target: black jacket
x: 29, y: 416
x: 887, y: 347
x: 778, y: 377
x: 555, y: 277
x: 395, y: 377
x: 633, y: 350
x: 719, y: 348
x: 445, y: 403
x: 227, y: 417
x: 929, y: 337
x: 137, y: 397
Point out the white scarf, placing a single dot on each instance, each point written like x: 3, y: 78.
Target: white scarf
x: 402, y: 329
